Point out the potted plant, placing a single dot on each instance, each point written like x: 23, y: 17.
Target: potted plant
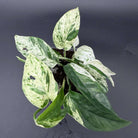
x: 67, y: 82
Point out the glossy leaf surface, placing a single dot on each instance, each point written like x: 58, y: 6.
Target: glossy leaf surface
x: 83, y: 80
x: 32, y: 45
x: 92, y: 116
x: 66, y: 30
x: 53, y: 114
x: 38, y: 82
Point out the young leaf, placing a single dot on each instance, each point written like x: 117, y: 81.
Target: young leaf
x: 32, y: 45
x: 99, y: 66
x: 66, y: 30
x: 92, y: 115
x: 84, y: 54
x: 53, y: 114
x: 38, y: 82
x: 98, y: 75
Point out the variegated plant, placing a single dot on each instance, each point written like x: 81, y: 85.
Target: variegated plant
x: 90, y: 106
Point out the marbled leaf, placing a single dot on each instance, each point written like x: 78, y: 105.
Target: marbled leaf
x: 84, y: 54
x: 38, y: 82
x: 52, y: 115
x: 91, y: 114
x: 66, y: 30
x: 86, y: 84
x: 103, y: 69
x: 32, y: 45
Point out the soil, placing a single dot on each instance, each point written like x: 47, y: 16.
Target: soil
x: 59, y: 73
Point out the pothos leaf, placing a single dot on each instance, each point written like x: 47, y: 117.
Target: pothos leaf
x: 86, y: 56
x: 92, y: 115
x: 53, y: 114
x: 38, y: 82
x: 32, y: 45
x: 86, y: 84
x: 98, y: 75
x: 106, y: 71
x: 66, y: 30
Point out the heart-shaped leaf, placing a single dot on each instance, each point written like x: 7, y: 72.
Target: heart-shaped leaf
x: 66, y: 30
x: 92, y: 115
x: 38, y: 82
x: 86, y: 56
x: 32, y: 45
x: 51, y: 116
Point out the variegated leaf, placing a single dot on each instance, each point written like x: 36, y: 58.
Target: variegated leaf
x: 32, y: 45
x: 99, y: 77
x: 91, y: 114
x: 52, y: 115
x: 66, y: 30
x: 38, y: 82
x: 84, y: 54
x: 106, y: 71
x: 100, y: 72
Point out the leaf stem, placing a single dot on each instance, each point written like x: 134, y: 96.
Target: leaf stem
x: 64, y: 53
x: 74, y: 49
x: 67, y: 59
x: 35, y: 113
x: 68, y: 83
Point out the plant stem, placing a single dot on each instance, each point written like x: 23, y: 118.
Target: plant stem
x: 74, y: 49
x: 64, y: 53
x: 34, y: 115
x: 68, y: 83
x: 65, y: 58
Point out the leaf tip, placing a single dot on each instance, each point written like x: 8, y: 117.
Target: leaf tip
x: 15, y: 36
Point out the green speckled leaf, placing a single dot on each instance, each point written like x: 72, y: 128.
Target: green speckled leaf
x: 84, y: 54
x: 98, y: 75
x: 86, y: 84
x: 66, y: 30
x: 53, y: 114
x: 38, y: 82
x: 91, y: 114
x: 32, y: 45
x: 106, y: 71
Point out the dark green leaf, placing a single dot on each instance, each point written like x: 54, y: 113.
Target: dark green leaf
x: 32, y: 45
x: 83, y: 81
x: 91, y: 115
x: 53, y: 114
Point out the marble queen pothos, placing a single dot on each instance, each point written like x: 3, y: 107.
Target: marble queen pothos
x: 90, y: 107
